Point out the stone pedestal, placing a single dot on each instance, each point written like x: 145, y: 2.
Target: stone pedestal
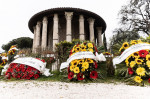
x: 68, y: 16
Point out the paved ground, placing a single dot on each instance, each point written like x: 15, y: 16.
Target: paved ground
x: 59, y: 90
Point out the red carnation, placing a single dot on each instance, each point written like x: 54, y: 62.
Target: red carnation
x: 17, y: 69
x: 93, y: 75
x: 70, y: 75
x: 149, y: 80
x: 80, y: 76
x: 8, y: 75
x: 36, y: 76
x: 130, y: 71
x: 143, y: 53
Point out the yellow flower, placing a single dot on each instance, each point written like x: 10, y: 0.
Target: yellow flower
x: 91, y: 50
x: 148, y: 57
x: 85, y: 65
x: 148, y: 64
x: 74, y: 62
x: 136, y: 55
x: 125, y: 45
x: 76, y: 70
x: 89, y: 60
x: 90, y: 45
x: 77, y: 49
x: 81, y: 61
x: 83, y: 69
x: 83, y: 47
x: 127, y: 60
x: 133, y: 42
x: 138, y: 61
x: 120, y: 49
x: 132, y: 64
x: 138, y: 79
x: 72, y: 67
x: 140, y: 71
x: 74, y: 48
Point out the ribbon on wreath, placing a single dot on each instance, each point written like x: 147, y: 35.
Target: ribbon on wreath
x: 82, y: 55
x: 129, y: 51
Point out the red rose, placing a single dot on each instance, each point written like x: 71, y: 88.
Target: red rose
x: 18, y: 76
x: 149, y: 80
x: 130, y: 71
x: 36, y: 76
x: 18, y: 69
x: 93, y: 75
x: 70, y: 75
x: 8, y: 75
x: 27, y: 77
x: 29, y: 69
x: 143, y: 53
x: 80, y: 76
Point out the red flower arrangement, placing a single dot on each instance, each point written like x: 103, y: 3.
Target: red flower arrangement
x: 80, y: 69
x: 20, y: 71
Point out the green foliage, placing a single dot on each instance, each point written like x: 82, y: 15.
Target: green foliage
x: 22, y: 42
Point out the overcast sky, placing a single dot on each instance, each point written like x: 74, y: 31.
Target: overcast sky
x: 15, y: 14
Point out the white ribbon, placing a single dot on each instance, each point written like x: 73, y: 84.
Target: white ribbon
x: 82, y: 55
x: 129, y: 51
x: 39, y: 65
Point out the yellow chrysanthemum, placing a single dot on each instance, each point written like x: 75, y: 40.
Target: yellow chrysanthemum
x: 133, y: 42
x: 83, y: 47
x: 89, y: 60
x: 72, y: 67
x: 138, y: 79
x: 138, y: 61
x: 85, y: 65
x: 140, y: 71
x: 76, y: 70
x: 132, y: 64
x: 83, y: 69
x: 148, y: 57
x: 148, y: 64
x: 125, y: 45
x: 90, y: 45
x: 74, y: 62
x: 136, y: 55
x: 77, y: 49
x: 91, y: 50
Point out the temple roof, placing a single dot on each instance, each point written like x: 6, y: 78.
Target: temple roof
x: 77, y: 11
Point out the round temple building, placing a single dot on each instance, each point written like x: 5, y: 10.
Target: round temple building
x: 58, y: 24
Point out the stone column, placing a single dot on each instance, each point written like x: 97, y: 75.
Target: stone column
x: 68, y: 16
x: 99, y: 32
x: 55, y: 30
x: 91, y: 28
x: 44, y: 33
x: 37, y: 40
x: 34, y: 39
x: 81, y: 28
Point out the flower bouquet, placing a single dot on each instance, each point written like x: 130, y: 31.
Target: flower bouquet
x: 85, y: 68
x: 21, y: 71
x: 138, y: 63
